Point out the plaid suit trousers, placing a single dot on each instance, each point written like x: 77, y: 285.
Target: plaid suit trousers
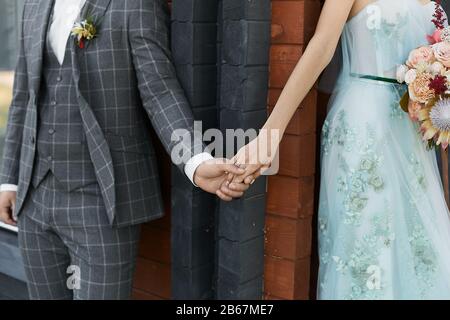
x: 69, y: 248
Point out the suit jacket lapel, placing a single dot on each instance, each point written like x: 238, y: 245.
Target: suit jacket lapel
x: 96, y: 9
x: 98, y: 147
x: 39, y: 38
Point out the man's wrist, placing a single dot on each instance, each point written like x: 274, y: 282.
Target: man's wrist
x: 6, y: 187
x: 191, y: 166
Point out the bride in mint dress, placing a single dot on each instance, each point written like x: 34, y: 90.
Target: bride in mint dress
x: 384, y: 227
x: 383, y: 221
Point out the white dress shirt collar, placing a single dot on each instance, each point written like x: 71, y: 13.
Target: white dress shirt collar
x: 65, y: 14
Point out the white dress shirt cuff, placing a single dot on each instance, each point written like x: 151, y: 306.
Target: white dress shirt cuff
x: 193, y: 163
x: 8, y: 187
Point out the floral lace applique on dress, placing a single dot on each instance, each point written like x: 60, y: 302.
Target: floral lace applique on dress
x: 362, y: 266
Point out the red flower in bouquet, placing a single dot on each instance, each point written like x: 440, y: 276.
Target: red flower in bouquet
x: 439, y: 20
x: 438, y: 84
x: 439, y: 16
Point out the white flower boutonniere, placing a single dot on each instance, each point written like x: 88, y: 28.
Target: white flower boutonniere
x: 85, y: 31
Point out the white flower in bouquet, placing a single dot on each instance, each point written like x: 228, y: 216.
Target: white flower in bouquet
x: 445, y: 34
x: 446, y: 73
x: 437, y: 68
x: 410, y: 76
x: 423, y: 67
x: 401, y: 73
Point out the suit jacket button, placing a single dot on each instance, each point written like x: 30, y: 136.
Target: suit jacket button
x: 50, y: 158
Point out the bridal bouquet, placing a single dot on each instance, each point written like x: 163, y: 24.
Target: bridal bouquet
x: 427, y: 74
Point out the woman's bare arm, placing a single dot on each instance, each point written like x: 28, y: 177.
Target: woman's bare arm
x: 316, y: 57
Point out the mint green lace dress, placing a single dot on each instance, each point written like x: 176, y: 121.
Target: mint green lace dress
x: 384, y: 227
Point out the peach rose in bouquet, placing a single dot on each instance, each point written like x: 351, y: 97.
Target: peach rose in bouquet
x: 419, y: 89
x: 421, y: 56
x: 442, y: 53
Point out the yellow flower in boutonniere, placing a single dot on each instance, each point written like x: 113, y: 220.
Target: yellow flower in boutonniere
x: 83, y: 31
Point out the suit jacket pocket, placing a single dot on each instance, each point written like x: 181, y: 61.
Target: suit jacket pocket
x: 133, y: 160
x: 136, y: 179
x: 130, y: 144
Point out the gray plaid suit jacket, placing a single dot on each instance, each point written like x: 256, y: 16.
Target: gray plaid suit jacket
x: 124, y: 77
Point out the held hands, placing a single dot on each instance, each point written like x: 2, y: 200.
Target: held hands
x: 229, y: 179
x: 212, y: 177
x: 7, y: 204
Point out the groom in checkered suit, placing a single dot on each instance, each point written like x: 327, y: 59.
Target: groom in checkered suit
x: 79, y: 172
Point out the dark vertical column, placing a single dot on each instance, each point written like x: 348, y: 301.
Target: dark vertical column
x: 243, y: 105
x: 194, y: 37
x: 446, y: 6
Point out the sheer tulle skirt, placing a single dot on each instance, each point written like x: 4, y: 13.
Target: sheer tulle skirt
x: 384, y: 228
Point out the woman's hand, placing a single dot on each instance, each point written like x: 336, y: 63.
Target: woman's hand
x: 256, y: 157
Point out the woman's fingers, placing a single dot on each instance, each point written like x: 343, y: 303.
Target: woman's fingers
x: 231, y: 168
x: 250, y: 180
x: 254, y: 167
x: 252, y: 173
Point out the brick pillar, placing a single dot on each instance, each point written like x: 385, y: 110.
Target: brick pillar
x: 194, y: 37
x: 290, y: 203
x: 243, y: 92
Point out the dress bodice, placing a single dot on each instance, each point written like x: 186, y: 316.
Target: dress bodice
x: 380, y: 37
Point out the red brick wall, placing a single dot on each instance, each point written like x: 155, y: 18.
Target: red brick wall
x: 291, y: 194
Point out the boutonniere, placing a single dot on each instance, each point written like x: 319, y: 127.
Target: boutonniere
x: 85, y: 31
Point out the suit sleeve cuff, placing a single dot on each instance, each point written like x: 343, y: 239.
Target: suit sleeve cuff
x: 8, y: 187
x: 193, y: 163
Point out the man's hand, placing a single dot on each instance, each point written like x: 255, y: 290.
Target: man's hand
x: 7, y: 204
x: 211, y: 176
